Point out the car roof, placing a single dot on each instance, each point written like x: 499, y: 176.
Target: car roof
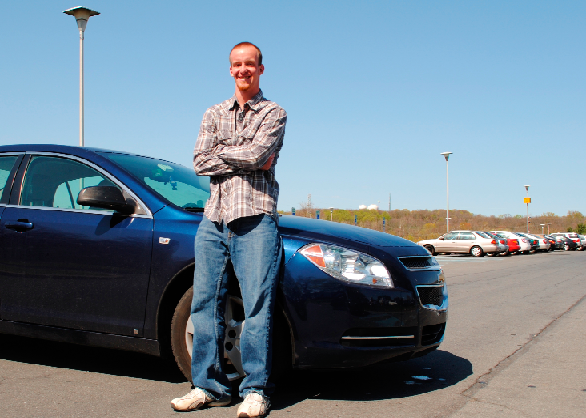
x: 65, y: 149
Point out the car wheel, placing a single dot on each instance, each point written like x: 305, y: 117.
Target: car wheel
x: 566, y: 247
x: 505, y: 253
x: 182, y: 335
x: 526, y: 252
x: 476, y: 251
x: 430, y: 249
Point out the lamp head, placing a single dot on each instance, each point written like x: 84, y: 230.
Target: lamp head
x: 446, y: 154
x: 527, y: 187
x: 82, y: 15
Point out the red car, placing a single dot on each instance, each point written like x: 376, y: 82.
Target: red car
x: 513, y: 244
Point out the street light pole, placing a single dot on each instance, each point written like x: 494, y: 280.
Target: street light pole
x: 446, y: 156
x: 527, y: 200
x: 82, y: 15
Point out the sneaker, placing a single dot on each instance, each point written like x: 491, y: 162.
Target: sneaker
x: 196, y: 399
x: 254, y: 405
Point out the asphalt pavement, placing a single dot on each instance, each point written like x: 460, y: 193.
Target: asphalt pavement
x: 514, y: 347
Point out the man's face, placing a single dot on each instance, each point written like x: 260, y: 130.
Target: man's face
x: 244, y: 67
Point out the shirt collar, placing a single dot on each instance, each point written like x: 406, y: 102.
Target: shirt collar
x: 252, y: 103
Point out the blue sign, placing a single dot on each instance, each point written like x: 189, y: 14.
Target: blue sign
x: 293, y: 211
x: 317, y: 214
x: 355, y: 220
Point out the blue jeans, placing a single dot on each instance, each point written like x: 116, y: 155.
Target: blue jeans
x: 254, y: 247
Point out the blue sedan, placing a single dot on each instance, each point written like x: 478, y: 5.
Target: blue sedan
x: 97, y: 249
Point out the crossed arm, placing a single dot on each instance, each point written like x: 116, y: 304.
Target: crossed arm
x: 213, y: 159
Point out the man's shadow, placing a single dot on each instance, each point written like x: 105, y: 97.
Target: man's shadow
x: 435, y: 371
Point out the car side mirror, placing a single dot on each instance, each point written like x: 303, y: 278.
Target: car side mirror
x: 442, y: 238
x: 106, y: 197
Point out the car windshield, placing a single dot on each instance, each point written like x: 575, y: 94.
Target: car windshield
x: 175, y: 183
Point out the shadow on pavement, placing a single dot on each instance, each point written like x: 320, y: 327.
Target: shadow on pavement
x: 89, y: 359
x: 388, y: 381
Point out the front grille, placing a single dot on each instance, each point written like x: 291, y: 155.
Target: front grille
x: 432, y: 334
x: 417, y: 262
x: 431, y: 295
x: 379, y: 337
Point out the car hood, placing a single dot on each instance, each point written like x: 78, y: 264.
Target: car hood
x: 322, y: 230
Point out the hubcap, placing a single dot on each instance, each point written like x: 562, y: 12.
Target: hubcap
x: 234, y: 318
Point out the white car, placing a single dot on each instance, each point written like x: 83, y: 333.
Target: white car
x: 476, y: 243
x: 543, y: 244
x: 523, y: 242
x: 582, y: 242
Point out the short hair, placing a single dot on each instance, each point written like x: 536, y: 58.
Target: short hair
x: 247, y: 44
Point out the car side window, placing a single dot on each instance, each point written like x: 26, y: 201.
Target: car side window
x: 6, y: 164
x: 55, y: 182
x: 450, y: 235
x: 466, y: 236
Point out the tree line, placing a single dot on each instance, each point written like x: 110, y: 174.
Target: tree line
x: 416, y: 225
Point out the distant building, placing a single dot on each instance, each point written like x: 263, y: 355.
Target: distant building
x: 361, y: 207
x: 372, y: 207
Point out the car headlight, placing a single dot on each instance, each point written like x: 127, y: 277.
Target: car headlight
x: 348, y: 265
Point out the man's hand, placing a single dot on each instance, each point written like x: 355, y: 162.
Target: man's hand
x: 269, y: 163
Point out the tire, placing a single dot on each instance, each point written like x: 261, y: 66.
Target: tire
x: 430, y: 249
x: 566, y: 247
x: 476, y: 251
x: 505, y: 254
x: 526, y: 252
x: 182, y: 335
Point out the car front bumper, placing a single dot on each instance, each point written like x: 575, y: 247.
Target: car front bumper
x: 337, y: 324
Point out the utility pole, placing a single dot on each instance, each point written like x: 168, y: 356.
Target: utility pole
x: 527, y: 201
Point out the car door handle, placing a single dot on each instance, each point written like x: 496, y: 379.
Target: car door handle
x: 20, y: 225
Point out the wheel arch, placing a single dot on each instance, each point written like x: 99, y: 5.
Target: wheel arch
x: 174, y: 290
x: 183, y: 280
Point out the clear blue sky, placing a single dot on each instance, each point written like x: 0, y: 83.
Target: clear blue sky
x: 374, y: 90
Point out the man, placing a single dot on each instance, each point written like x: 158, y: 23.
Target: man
x: 238, y: 147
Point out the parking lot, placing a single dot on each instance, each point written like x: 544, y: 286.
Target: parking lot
x: 513, y: 347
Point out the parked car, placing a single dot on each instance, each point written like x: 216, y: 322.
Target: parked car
x: 525, y: 246
x: 574, y: 237
x: 566, y: 242
x: 501, y: 242
x: 512, y: 243
x: 533, y: 241
x: 582, y: 242
x: 543, y: 243
x: 476, y: 243
x: 555, y: 244
x: 97, y: 249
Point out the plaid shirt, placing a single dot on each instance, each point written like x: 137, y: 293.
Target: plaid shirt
x: 232, y: 153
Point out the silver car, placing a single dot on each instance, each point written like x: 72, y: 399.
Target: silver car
x: 476, y: 243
